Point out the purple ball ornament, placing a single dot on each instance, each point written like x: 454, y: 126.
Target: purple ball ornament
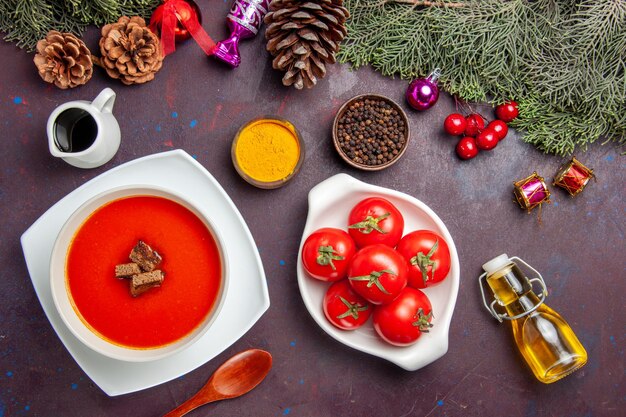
x: 423, y: 93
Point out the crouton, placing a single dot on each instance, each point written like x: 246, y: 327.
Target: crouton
x: 144, y: 256
x: 141, y: 283
x: 127, y: 270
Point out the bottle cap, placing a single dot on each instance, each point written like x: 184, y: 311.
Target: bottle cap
x: 496, y: 263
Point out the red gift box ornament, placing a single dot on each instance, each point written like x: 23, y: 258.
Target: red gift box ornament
x: 573, y: 177
x: 178, y: 20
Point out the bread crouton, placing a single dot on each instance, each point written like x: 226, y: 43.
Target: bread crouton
x: 144, y: 256
x: 141, y: 283
x: 127, y: 270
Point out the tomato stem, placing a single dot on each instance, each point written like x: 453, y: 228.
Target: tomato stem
x: 370, y: 224
x: 423, y: 321
x: 374, y: 279
x: 353, y: 309
x: 424, y: 261
x: 326, y: 255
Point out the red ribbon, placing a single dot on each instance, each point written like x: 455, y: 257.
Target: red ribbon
x: 170, y: 19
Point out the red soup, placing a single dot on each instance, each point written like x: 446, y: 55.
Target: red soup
x: 162, y: 315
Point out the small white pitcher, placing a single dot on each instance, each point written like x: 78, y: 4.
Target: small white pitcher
x: 85, y: 134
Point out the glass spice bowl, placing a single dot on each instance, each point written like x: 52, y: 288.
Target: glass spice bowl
x: 260, y: 182
x: 346, y: 107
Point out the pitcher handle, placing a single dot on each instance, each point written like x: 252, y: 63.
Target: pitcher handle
x: 105, y: 100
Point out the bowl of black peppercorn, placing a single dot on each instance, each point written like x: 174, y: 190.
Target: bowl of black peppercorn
x: 371, y: 132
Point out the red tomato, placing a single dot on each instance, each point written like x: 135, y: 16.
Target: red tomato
x: 486, y: 140
x: 499, y: 128
x: 344, y: 308
x: 475, y: 124
x: 455, y: 124
x: 326, y: 254
x: 403, y: 321
x: 375, y: 220
x: 428, y: 257
x: 507, y: 111
x: 378, y: 273
x: 466, y: 148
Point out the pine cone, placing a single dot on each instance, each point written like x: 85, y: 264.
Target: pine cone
x: 304, y: 37
x: 130, y: 51
x: 63, y: 59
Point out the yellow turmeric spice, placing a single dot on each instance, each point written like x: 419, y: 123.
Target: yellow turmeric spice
x: 267, y: 150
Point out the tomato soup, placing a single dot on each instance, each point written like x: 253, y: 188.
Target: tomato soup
x: 160, y: 316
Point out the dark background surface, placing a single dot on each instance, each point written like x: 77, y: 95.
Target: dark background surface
x: 197, y: 105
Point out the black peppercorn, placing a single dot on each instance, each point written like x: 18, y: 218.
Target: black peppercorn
x: 371, y: 132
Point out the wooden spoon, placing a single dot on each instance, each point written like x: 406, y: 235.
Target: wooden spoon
x: 235, y: 377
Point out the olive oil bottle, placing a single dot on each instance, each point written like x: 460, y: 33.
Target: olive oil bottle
x: 545, y: 340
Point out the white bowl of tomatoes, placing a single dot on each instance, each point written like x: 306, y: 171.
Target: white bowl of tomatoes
x: 378, y: 271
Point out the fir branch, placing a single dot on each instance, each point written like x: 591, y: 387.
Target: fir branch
x: 34, y: 18
x: 27, y: 21
x: 567, y: 59
x: 426, y: 3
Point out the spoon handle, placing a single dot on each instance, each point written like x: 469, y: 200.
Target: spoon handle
x: 191, y: 404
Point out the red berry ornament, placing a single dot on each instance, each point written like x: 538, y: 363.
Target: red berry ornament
x: 455, y: 124
x: 486, y: 140
x: 466, y: 148
x: 499, y: 128
x: 507, y: 111
x: 475, y: 124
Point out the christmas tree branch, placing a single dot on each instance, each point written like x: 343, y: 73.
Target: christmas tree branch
x: 564, y: 62
x: 27, y: 21
x: 426, y: 3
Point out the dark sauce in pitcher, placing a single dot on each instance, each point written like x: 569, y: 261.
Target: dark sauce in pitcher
x: 75, y: 130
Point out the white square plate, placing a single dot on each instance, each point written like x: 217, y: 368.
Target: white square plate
x: 330, y: 203
x: 247, y: 297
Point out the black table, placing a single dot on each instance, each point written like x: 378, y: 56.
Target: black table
x: 197, y: 105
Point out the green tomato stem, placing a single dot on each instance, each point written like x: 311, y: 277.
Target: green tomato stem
x: 374, y: 279
x: 326, y: 255
x: 353, y: 309
x: 370, y: 224
x: 424, y: 261
x: 423, y: 321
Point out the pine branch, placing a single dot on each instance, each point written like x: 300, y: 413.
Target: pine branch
x: 566, y: 58
x: 27, y: 21
x: 33, y: 18
x: 426, y: 3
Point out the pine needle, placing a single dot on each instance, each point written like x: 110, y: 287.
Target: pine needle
x: 27, y: 21
x: 563, y: 61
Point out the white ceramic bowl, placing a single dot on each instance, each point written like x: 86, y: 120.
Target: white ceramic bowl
x: 330, y: 203
x: 62, y: 298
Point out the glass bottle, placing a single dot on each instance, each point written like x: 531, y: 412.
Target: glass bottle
x: 545, y: 340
